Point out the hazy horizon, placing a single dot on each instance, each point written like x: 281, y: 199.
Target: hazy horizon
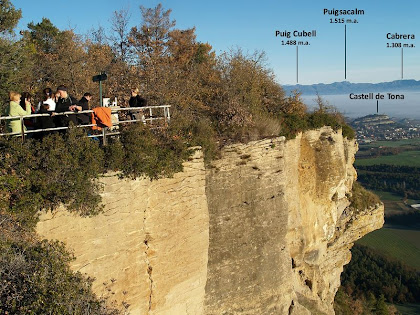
x: 407, y: 108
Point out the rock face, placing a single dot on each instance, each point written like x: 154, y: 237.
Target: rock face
x: 149, y: 249
x: 266, y: 229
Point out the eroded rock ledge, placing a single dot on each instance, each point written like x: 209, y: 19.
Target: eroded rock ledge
x: 265, y: 230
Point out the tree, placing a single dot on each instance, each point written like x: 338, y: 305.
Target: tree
x: 294, y: 105
x: 70, y: 65
x: 41, y: 41
x: 13, y: 57
x: 9, y: 17
x: 15, y: 68
x: 58, y: 58
x: 150, y: 38
x: 123, y: 72
x: 44, y: 35
x: 381, y: 307
x: 120, y: 41
x: 149, y: 41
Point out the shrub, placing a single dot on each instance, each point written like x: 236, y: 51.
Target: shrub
x: 36, y: 278
x: 196, y: 130
x: 361, y: 198
x: 348, y: 132
x: 60, y: 169
x: 153, y: 153
x: 319, y: 119
x: 114, y: 155
x: 292, y: 124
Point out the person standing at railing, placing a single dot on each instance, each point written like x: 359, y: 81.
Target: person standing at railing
x: 26, y: 96
x: 15, y: 109
x: 48, y: 99
x: 136, y: 101
x: 56, y: 97
x: 65, y: 103
x: 44, y: 122
x: 83, y: 104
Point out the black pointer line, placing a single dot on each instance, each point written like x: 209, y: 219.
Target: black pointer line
x: 402, y: 63
x: 297, y: 64
x: 345, y: 52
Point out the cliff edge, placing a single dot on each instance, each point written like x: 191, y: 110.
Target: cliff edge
x: 266, y: 229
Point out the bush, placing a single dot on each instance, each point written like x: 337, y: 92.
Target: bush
x: 361, y: 198
x: 320, y: 119
x: 36, y: 278
x: 292, y: 124
x: 196, y: 130
x: 114, y: 155
x: 38, y: 175
x: 348, y: 132
x: 153, y: 153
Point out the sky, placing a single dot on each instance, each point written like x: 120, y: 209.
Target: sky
x: 251, y: 26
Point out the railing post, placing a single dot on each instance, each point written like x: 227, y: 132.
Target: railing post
x: 169, y: 115
x: 151, y: 115
x: 104, y: 136
x: 22, y: 126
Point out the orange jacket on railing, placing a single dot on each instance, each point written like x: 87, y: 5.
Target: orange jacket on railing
x: 101, y: 117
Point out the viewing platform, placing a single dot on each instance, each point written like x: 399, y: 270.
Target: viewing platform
x: 147, y: 115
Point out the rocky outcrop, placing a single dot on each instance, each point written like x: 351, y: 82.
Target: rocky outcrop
x: 321, y: 226
x: 266, y: 229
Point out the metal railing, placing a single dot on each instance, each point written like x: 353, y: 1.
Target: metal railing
x: 147, y: 116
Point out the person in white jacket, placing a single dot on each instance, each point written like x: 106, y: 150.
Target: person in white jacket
x: 48, y: 99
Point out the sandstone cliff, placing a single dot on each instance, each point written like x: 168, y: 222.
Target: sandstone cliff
x: 265, y: 230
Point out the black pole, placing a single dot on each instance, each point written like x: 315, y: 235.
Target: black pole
x: 100, y: 93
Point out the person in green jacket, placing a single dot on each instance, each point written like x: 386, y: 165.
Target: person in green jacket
x: 14, y: 109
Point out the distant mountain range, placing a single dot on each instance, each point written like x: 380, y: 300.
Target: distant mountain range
x: 347, y: 87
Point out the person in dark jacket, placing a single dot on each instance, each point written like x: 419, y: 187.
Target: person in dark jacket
x: 44, y: 122
x: 65, y: 103
x: 83, y: 104
x: 136, y: 101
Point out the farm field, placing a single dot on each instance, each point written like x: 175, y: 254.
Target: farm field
x: 393, y: 204
x: 387, y: 196
x: 396, y: 206
x: 412, y: 236
x: 399, y: 244
x: 406, y: 158
x: 393, y: 144
x: 408, y: 309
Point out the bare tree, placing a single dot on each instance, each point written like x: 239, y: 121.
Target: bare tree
x: 119, y: 25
